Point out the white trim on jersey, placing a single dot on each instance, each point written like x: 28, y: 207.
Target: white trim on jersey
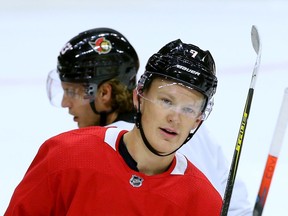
x: 111, y: 136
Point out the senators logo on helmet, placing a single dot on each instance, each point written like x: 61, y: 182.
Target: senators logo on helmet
x: 101, y: 45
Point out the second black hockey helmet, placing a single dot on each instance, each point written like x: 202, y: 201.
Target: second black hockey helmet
x: 97, y: 55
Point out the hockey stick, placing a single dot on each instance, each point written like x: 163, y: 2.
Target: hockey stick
x: 236, y: 157
x: 273, y: 155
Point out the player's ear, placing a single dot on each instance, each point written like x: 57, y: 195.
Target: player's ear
x: 104, y: 93
x: 197, y: 122
x: 135, y: 99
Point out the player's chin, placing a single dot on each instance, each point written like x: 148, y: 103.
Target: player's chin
x: 169, y: 146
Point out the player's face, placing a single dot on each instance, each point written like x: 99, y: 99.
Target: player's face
x: 78, y: 106
x: 169, y: 112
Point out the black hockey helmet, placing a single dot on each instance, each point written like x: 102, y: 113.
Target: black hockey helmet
x: 185, y: 63
x: 98, y: 55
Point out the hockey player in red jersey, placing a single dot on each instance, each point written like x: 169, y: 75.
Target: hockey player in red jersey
x: 97, y: 70
x: 109, y: 171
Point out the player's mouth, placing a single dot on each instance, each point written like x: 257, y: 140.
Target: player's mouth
x: 169, y: 133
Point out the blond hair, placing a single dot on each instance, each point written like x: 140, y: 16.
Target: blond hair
x: 122, y: 97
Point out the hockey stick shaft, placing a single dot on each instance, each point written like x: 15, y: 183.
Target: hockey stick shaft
x: 275, y: 147
x: 237, y: 151
x: 236, y: 156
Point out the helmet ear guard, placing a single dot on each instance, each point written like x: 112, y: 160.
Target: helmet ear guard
x: 208, y: 109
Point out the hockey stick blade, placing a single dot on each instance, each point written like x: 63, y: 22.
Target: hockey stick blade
x: 273, y: 155
x: 255, y: 38
x: 239, y: 143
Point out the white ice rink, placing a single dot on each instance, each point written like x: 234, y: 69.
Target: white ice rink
x: 33, y: 32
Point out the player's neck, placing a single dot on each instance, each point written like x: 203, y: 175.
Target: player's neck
x: 111, y: 117
x: 147, y: 162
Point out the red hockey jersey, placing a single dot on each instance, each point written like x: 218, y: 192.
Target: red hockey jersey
x: 81, y: 172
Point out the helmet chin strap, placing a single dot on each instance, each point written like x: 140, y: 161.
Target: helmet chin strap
x: 146, y: 142
x: 103, y: 114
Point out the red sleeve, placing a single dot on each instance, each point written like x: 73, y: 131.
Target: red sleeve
x: 38, y: 193
x: 33, y: 193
